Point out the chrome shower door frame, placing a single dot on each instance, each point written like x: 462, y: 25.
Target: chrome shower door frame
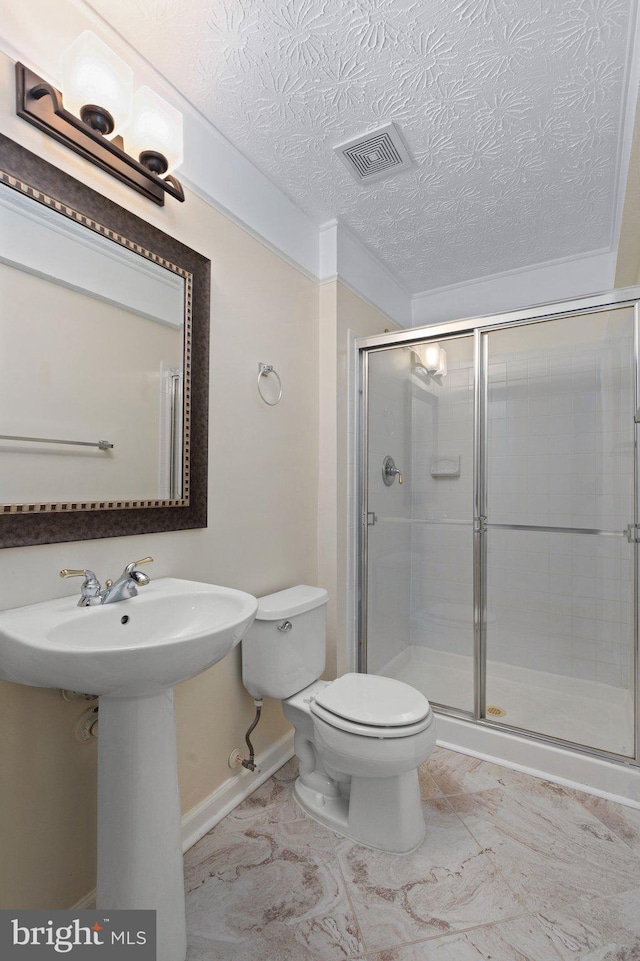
x: 480, y: 328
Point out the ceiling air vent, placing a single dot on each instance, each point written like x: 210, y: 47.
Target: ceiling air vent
x: 377, y: 154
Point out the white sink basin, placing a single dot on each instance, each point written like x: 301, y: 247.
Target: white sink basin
x: 172, y: 630
x: 131, y: 653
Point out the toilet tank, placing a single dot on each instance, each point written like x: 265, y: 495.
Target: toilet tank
x: 278, y: 660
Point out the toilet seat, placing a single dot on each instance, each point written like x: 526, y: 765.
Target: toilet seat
x: 351, y: 727
x: 372, y: 706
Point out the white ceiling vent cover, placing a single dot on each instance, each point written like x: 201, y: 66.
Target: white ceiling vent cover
x: 375, y: 155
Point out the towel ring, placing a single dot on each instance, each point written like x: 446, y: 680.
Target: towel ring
x: 263, y: 371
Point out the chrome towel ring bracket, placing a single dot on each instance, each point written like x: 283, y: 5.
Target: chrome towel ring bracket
x: 263, y: 371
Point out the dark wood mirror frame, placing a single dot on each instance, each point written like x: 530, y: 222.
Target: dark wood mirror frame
x: 23, y: 529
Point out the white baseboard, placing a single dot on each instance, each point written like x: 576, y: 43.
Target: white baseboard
x: 87, y: 903
x: 200, y: 819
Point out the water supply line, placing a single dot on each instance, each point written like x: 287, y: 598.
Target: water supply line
x: 250, y: 762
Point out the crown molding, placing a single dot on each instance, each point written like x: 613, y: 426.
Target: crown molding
x: 553, y: 281
x: 343, y: 256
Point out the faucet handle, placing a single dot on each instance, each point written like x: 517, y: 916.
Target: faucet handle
x: 68, y: 572
x: 143, y: 560
x: 90, y: 590
x: 137, y: 576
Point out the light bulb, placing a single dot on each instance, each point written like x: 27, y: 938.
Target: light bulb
x: 96, y: 84
x: 155, y: 132
x: 432, y: 356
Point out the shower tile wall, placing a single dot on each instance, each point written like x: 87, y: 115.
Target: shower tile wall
x: 442, y: 573
x: 560, y: 453
x: 561, y: 435
x: 548, y: 605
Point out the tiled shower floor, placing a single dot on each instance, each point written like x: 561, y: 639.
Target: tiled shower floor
x: 513, y: 868
x: 588, y: 712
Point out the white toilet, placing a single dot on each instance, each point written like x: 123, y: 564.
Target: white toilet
x: 359, y: 739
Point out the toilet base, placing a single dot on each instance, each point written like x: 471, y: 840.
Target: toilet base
x: 395, y: 823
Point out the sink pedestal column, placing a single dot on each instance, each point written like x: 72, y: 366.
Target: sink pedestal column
x: 139, y: 819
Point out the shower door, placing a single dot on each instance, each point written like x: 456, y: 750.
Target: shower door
x: 500, y: 576
x: 559, y: 486
x: 419, y: 557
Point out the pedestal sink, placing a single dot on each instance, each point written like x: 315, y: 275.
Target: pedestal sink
x: 132, y: 653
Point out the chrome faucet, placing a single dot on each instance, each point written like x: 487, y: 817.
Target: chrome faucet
x: 126, y: 585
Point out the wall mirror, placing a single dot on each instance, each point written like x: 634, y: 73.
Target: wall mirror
x: 104, y: 327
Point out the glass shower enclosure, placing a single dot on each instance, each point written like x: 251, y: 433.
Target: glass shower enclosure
x: 498, y: 547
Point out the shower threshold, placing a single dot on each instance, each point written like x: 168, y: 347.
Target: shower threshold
x: 588, y: 713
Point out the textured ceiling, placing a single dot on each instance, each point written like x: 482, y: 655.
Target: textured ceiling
x: 512, y: 109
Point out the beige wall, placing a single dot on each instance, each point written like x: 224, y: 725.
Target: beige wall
x: 341, y: 311
x: 628, y: 258
x: 262, y: 536
x: 327, y: 468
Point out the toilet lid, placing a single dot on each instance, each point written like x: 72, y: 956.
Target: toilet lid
x: 373, y: 700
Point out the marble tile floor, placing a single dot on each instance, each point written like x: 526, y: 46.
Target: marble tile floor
x: 513, y: 868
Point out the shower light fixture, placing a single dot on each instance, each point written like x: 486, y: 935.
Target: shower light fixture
x: 96, y: 113
x: 431, y: 357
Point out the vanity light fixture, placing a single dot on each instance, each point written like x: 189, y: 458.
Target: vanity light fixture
x: 96, y: 114
x: 155, y: 132
x: 431, y: 357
